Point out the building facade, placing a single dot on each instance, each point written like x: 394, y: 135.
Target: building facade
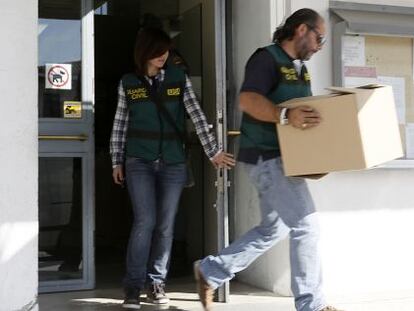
x: 365, y: 216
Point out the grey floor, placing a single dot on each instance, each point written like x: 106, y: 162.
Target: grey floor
x: 108, y: 297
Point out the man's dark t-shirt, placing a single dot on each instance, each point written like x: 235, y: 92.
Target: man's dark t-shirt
x: 260, y: 77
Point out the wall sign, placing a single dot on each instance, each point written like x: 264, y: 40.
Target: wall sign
x: 72, y: 110
x: 58, y: 76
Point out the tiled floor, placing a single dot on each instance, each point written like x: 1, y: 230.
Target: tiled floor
x: 108, y: 297
x: 181, y: 292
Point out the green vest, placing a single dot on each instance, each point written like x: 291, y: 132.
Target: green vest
x: 262, y: 135
x: 150, y: 136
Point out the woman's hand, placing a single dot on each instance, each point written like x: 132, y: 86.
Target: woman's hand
x: 118, y: 174
x: 223, y: 159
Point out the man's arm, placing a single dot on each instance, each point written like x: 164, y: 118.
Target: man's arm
x: 261, y: 108
x: 260, y: 78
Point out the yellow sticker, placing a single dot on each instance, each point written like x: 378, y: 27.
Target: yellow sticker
x: 290, y: 73
x: 72, y: 110
x: 174, y: 92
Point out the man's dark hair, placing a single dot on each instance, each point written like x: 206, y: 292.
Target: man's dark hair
x: 150, y: 43
x: 302, y: 16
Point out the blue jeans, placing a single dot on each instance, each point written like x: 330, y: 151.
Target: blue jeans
x: 286, y: 209
x: 155, y: 189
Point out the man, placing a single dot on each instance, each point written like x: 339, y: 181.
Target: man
x: 273, y: 75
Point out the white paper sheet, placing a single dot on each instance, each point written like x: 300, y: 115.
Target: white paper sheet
x: 359, y: 75
x: 353, y: 50
x: 358, y: 81
x: 398, y: 88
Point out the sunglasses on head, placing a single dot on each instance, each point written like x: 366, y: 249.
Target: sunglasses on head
x: 320, y: 39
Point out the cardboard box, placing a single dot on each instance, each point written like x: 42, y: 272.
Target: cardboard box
x: 359, y: 130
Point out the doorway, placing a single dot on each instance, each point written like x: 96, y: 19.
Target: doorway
x: 65, y: 105
x: 78, y: 202
x: 116, y: 24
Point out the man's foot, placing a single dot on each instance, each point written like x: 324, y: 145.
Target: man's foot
x: 156, y: 294
x: 131, y: 300
x: 205, y: 291
x: 330, y: 308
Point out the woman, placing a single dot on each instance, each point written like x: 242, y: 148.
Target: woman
x: 148, y: 147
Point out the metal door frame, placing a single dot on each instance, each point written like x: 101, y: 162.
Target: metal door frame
x: 221, y: 126
x: 75, y: 138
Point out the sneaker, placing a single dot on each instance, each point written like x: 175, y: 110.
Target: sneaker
x: 156, y: 294
x: 205, y: 291
x: 131, y: 300
x: 330, y: 308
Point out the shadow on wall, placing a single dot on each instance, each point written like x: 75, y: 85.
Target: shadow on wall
x: 368, y: 190
x: 18, y: 261
x: 366, y: 226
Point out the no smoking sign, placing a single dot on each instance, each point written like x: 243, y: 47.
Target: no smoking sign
x: 58, y: 76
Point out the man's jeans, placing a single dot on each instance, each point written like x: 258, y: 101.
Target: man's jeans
x: 155, y: 189
x: 286, y: 208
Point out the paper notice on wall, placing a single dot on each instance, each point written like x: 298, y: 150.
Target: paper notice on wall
x: 353, y: 50
x: 398, y: 88
x: 359, y: 75
x: 409, y: 140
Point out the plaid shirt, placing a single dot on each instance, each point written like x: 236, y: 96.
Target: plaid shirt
x: 120, y: 126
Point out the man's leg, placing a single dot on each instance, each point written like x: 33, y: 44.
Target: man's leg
x: 295, y: 206
x: 305, y: 265
x: 287, y: 202
x: 216, y: 270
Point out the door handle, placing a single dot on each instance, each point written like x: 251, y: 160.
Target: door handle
x: 63, y: 137
x: 233, y: 133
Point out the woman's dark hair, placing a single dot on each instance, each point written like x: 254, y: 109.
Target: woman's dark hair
x: 302, y: 16
x: 150, y: 43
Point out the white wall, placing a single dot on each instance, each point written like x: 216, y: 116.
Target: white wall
x: 367, y: 231
x: 18, y: 156
x: 248, y: 35
x: 366, y: 217
x: 271, y: 271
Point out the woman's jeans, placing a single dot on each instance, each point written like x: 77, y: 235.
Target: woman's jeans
x: 286, y: 209
x: 155, y: 189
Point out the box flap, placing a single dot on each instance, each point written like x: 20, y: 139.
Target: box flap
x: 311, y: 176
x: 354, y: 90
x: 300, y: 100
x: 370, y: 86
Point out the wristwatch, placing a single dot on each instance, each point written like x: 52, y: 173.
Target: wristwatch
x: 283, y: 119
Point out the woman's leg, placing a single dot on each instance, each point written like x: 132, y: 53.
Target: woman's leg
x: 169, y: 185
x: 140, y: 178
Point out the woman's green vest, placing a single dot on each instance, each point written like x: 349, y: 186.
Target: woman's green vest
x: 150, y: 136
x: 262, y: 135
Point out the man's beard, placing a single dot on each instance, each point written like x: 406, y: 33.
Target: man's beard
x: 304, y: 52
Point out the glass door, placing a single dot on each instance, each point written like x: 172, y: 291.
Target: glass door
x: 66, y: 153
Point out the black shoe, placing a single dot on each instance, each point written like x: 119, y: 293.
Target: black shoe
x: 156, y: 294
x: 131, y: 300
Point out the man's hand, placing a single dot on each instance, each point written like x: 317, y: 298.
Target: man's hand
x: 118, y: 174
x: 223, y: 159
x: 304, y: 117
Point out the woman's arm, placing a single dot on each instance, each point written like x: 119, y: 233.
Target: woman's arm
x: 207, y: 139
x: 118, y: 135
